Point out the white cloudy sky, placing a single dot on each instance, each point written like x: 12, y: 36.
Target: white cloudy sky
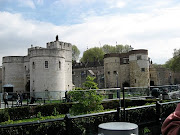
x: 143, y: 24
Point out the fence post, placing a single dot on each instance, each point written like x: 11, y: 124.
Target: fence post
x: 68, y: 125
x: 118, y: 114
x: 124, y: 106
x: 158, y: 116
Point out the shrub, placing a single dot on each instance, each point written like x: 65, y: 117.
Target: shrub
x: 4, y: 115
x: 87, y: 101
x: 19, y: 113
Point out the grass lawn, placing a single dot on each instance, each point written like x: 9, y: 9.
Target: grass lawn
x: 39, y: 118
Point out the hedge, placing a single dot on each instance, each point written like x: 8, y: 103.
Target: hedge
x: 144, y: 116
x: 18, y: 113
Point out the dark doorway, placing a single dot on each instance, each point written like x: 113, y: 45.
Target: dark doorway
x: 28, y: 86
x: 8, y: 88
x: 126, y: 84
x: 151, y: 83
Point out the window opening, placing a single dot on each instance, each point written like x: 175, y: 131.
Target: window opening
x: 139, y: 57
x: 59, y: 65
x: 46, y: 64
x: 143, y: 69
x: 33, y: 65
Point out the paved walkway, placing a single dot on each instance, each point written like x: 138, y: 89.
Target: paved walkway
x: 10, y: 104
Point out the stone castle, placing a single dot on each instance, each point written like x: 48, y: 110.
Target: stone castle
x: 51, y: 69
x: 43, y: 69
x: 131, y: 69
x: 127, y: 69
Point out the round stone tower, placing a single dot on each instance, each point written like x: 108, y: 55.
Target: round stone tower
x: 139, y: 68
x: 111, y: 70
x: 13, y: 73
x: 51, y: 68
x: 43, y: 70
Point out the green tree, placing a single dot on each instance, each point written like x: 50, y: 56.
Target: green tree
x: 92, y: 54
x: 89, y: 83
x: 108, y: 49
x: 75, y: 53
x: 87, y: 100
x: 97, y: 54
x: 116, y: 49
x: 174, y: 63
x: 123, y: 48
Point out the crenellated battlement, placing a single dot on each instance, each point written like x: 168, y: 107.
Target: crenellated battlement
x: 59, y: 44
x: 13, y: 59
x: 45, y: 68
x: 44, y: 52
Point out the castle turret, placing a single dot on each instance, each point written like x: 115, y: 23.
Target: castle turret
x: 127, y: 69
x: 139, y: 68
x: 43, y: 69
x: 111, y: 70
x: 51, y: 67
x: 13, y: 73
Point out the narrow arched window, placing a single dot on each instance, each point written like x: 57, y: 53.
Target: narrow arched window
x: 59, y: 65
x: 33, y: 65
x: 46, y: 64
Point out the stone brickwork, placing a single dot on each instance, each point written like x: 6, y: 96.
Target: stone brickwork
x: 139, y: 69
x: 163, y: 76
x: 13, y: 72
x: 111, y: 71
x: 127, y: 69
x: 79, y: 75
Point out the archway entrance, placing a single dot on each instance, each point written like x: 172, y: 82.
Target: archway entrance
x: 8, y: 88
x: 126, y: 84
x: 151, y: 83
x: 28, y: 86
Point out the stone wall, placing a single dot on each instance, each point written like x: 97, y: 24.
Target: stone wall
x: 0, y: 79
x: 138, y: 78
x: 112, y: 72
x: 132, y: 69
x: 79, y: 75
x: 124, y: 75
x: 13, y: 72
x: 51, y: 78
x: 163, y: 76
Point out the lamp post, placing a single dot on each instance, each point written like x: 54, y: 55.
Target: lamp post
x: 118, y: 91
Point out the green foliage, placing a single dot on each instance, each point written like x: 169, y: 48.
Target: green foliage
x: 89, y: 83
x: 93, y: 54
x: 55, y: 112
x: 88, y: 100
x: 75, y: 53
x: 38, y: 115
x: 89, y: 124
x: 51, y: 128
x: 174, y: 63
x: 4, y: 115
x: 146, y: 130
x: 97, y: 53
x: 38, y: 118
x: 109, y: 49
x: 78, y: 88
x: 47, y: 109
x: 19, y: 113
x: 116, y: 49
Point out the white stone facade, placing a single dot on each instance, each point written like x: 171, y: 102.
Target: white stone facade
x: 44, y: 69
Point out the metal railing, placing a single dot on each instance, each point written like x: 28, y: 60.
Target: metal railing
x: 149, y: 116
